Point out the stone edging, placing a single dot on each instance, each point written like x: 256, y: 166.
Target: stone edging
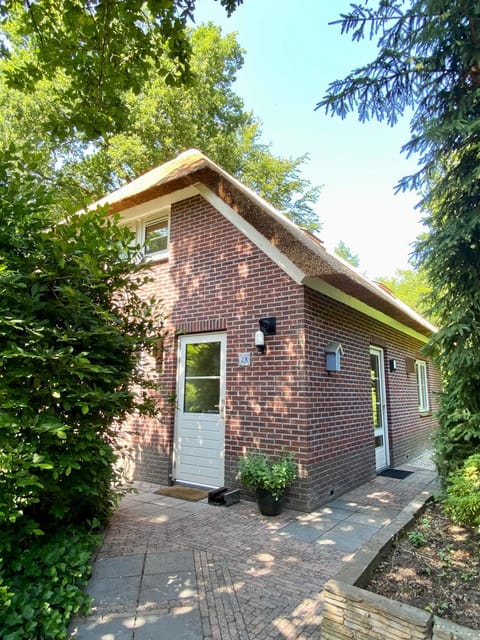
x: 352, y: 613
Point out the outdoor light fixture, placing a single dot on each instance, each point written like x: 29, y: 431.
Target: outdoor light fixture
x: 268, y: 327
x: 260, y: 341
x: 393, y: 365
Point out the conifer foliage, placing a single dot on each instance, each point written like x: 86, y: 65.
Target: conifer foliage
x: 428, y: 65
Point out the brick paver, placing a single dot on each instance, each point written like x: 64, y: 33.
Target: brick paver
x: 240, y: 575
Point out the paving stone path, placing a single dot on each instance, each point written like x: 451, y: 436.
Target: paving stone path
x: 176, y: 570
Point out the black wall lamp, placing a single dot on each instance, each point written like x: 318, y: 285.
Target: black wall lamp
x: 268, y: 327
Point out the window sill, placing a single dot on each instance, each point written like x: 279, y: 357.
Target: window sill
x: 156, y: 257
x: 425, y: 414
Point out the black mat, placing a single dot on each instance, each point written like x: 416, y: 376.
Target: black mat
x: 398, y: 474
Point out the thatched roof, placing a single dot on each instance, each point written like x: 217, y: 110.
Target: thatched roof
x: 301, y: 248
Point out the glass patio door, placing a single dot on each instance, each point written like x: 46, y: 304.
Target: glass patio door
x: 379, y: 408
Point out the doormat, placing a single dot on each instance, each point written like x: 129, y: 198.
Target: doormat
x: 183, y: 493
x: 398, y: 474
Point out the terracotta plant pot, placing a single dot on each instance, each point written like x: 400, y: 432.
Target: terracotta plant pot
x: 267, y: 504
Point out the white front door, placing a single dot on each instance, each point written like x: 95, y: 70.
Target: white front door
x: 379, y: 408
x: 200, y: 415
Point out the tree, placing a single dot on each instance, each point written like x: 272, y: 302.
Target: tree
x: 429, y: 61
x: 344, y: 251
x: 212, y: 118
x: 410, y: 286
x: 102, y: 48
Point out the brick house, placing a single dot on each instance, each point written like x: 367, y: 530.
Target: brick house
x: 341, y: 381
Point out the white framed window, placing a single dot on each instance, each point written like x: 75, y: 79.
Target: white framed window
x: 156, y: 238
x: 153, y: 234
x: 422, y: 386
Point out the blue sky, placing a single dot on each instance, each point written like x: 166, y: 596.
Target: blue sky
x: 291, y: 56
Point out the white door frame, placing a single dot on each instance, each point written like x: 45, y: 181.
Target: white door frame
x: 382, y: 456
x: 199, y: 442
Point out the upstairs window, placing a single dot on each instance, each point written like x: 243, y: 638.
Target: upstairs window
x: 422, y: 386
x: 154, y: 235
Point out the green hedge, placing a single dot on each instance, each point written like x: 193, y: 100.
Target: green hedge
x: 73, y: 326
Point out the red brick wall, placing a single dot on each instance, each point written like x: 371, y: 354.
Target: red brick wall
x: 341, y: 429
x: 215, y: 279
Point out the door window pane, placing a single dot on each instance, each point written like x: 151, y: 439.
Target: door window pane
x: 203, y: 359
x: 202, y: 378
x: 378, y: 441
x: 376, y: 394
x: 202, y: 396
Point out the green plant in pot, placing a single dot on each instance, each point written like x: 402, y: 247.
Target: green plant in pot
x: 269, y: 476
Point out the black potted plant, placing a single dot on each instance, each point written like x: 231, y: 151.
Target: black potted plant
x: 269, y: 476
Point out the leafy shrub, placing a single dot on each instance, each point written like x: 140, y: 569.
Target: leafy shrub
x: 257, y: 470
x: 73, y: 323
x: 462, y: 498
x: 42, y: 585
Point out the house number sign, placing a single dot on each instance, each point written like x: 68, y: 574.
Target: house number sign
x: 244, y: 359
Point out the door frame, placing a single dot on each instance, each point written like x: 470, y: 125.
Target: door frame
x: 198, y: 338
x: 385, y: 462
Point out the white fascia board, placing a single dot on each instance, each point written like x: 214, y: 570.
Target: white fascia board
x: 252, y: 234
x: 153, y: 206
x: 332, y: 292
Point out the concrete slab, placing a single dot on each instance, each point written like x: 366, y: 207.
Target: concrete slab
x: 109, y: 627
x: 308, y: 531
x: 157, y: 513
x: 114, y: 594
x: 145, y: 509
x: 376, y: 518
x: 344, y: 504
x: 182, y: 624
x: 196, y: 507
x: 166, y: 501
x: 149, y: 496
x: 160, y: 588
x: 333, y: 513
x: 300, y: 532
x: 324, y: 519
x: 168, y: 515
x: 118, y: 567
x: 347, y: 537
x: 169, y: 562
x: 127, y: 501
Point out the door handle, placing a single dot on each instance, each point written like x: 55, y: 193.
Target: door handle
x: 221, y: 409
